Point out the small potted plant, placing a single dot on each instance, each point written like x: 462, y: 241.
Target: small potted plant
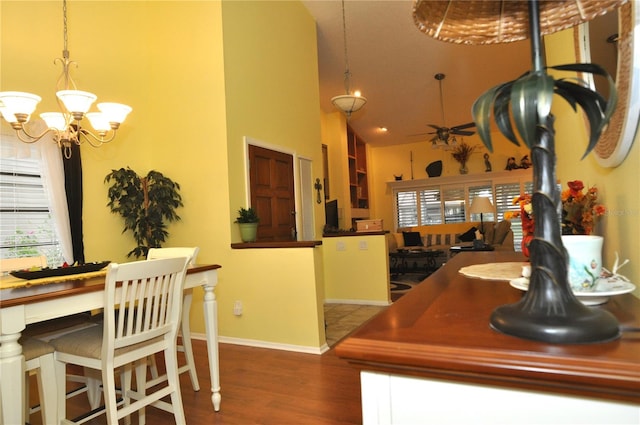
x: 248, y: 222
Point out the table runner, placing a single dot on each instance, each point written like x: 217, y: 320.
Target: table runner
x: 12, y: 282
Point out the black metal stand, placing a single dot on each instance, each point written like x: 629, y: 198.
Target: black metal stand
x: 549, y: 311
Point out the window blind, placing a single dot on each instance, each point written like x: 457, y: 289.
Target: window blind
x: 430, y: 207
x: 26, y: 225
x: 454, y: 205
x: 407, y: 208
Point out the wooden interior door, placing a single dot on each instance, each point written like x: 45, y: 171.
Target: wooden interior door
x: 272, y: 193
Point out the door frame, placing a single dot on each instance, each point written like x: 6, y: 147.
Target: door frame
x: 246, y: 141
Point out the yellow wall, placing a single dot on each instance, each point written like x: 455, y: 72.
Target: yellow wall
x: 356, y: 269
x: 271, y: 77
x: 619, y: 188
x: 194, y: 95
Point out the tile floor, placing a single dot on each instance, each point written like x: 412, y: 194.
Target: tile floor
x: 342, y: 319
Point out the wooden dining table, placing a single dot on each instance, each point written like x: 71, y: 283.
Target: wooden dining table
x: 23, y: 302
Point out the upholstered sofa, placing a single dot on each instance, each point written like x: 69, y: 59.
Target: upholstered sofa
x: 444, y: 236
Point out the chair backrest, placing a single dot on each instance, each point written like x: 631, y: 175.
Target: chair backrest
x: 148, y: 306
x: 11, y: 264
x: 190, y: 252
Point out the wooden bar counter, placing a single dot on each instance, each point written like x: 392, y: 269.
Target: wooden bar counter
x: 432, y: 357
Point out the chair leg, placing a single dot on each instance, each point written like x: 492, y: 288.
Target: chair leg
x: 61, y: 388
x: 93, y: 388
x: 141, y: 387
x: 109, y: 391
x: 153, y: 366
x: 171, y: 360
x: 47, y: 390
x: 185, y: 328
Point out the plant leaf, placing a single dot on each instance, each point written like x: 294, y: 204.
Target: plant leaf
x: 545, y: 96
x: 481, y: 112
x: 591, y: 103
x: 501, y: 112
x: 523, y: 106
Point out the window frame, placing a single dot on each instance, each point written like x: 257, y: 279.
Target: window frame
x: 467, y: 186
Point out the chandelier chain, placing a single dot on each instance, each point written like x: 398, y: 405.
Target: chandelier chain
x: 64, y: 24
x: 347, y: 72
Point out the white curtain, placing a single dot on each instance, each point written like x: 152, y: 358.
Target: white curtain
x: 48, y: 153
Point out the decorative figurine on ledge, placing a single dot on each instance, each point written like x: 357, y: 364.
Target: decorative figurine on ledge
x: 487, y: 164
x: 525, y: 162
x: 511, y: 164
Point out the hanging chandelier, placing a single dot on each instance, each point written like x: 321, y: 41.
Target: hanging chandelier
x: 347, y: 103
x: 16, y: 108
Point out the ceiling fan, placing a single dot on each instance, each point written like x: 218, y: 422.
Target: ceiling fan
x: 443, y: 135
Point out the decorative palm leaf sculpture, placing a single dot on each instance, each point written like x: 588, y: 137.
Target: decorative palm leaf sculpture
x: 549, y: 311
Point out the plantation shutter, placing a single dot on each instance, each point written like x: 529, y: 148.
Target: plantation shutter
x: 454, y: 205
x: 505, y: 194
x: 430, y: 207
x: 407, y: 208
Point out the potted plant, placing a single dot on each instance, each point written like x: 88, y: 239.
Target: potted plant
x: 248, y: 223
x: 461, y: 153
x: 146, y: 204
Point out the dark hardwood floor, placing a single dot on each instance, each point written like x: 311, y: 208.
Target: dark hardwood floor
x: 262, y: 386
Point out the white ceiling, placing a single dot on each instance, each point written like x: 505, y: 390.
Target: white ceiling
x: 393, y: 64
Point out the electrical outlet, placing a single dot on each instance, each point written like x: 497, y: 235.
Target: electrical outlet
x: 340, y: 246
x: 237, y: 308
x: 364, y: 246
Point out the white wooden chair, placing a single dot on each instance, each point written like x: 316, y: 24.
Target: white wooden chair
x: 35, y: 336
x: 38, y: 359
x: 185, y: 326
x: 143, y: 302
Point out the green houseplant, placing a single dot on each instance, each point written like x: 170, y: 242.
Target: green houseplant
x: 146, y: 204
x: 248, y: 223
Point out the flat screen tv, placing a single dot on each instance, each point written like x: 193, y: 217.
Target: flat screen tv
x: 331, y: 213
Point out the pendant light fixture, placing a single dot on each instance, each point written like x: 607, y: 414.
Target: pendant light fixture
x: 347, y: 103
x: 16, y: 108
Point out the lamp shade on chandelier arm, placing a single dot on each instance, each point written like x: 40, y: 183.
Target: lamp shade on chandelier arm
x: 16, y: 108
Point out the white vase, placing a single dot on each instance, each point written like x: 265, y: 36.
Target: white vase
x: 585, y: 260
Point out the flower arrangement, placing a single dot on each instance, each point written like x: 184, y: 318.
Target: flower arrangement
x: 526, y: 215
x: 462, y: 152
x: 580, y: 209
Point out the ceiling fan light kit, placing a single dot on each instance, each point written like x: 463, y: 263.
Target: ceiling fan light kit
x: 549, y: 311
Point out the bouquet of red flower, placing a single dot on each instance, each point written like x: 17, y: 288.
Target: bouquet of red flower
x: 526, y: 215
x: 580, y: 209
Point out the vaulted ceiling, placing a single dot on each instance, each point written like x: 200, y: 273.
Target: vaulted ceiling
x: 393, y: 64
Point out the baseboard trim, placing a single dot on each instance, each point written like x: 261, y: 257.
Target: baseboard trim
x: 266, y: 344
x: 359, y: 302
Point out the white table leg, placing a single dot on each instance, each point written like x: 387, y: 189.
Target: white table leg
x: 12, y: 384
x: 211, y: 327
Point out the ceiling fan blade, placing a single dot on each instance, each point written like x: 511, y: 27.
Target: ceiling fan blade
x: 434, y: 126
x: 462, y: 126
x: 463, y: 132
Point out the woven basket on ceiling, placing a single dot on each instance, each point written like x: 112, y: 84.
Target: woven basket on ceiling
x: 501, y: 21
